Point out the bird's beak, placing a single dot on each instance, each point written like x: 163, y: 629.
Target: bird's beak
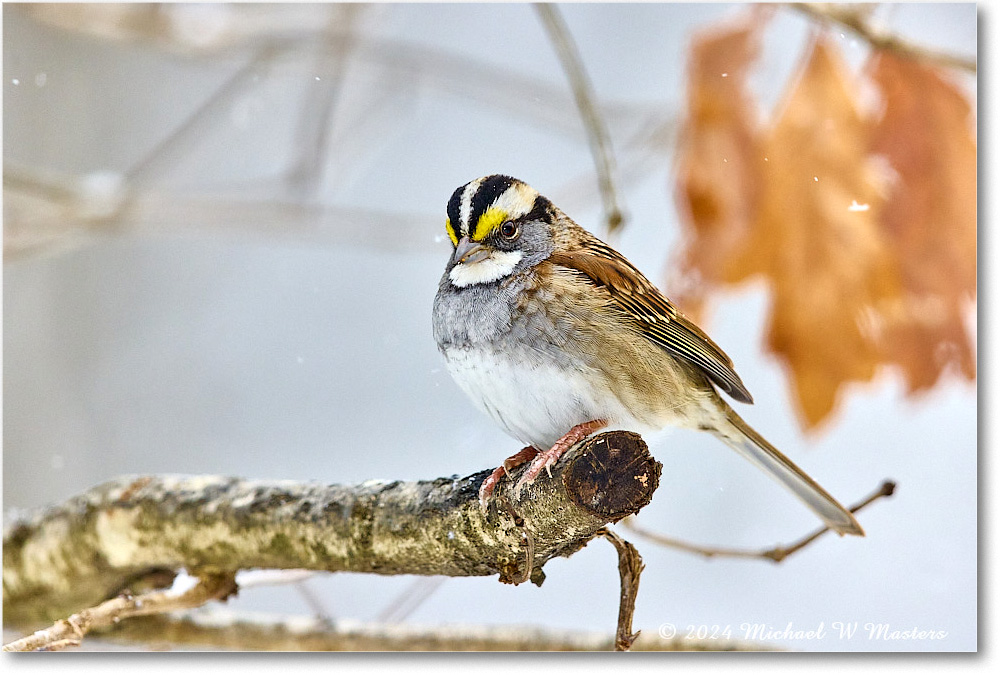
x: 469, y: 252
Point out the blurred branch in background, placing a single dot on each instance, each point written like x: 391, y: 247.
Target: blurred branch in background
x: 316, y: 117
x: 583, y: 92
x: 71, y: 631
x: 404, y: 604
x: 178, y: 143
x: 46, y: 213
x: 858, y: 18
x: 216, y: 627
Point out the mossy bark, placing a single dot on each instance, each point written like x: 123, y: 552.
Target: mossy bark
x: 131, y: 529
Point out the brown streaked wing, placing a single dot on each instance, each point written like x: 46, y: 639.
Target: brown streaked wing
x: 653, y: 314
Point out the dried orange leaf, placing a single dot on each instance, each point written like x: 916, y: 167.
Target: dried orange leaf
x: 864, y: 270
x: 816, y: 236
x: 926, y: 132
x: 717, y: 177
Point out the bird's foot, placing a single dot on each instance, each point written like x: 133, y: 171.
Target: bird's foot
x: 489, y: 485
x: 545, y: 459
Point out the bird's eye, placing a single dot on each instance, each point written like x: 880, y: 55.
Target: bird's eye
x: 509, y: 230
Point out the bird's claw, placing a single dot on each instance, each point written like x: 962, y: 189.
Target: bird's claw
x: 539, y: 460
x: 490, y: 484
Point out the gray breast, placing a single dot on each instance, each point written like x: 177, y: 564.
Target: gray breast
x: 510, y: 316
x: 474, y: 315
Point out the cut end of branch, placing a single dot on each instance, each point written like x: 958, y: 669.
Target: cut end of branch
x: 613, y: 476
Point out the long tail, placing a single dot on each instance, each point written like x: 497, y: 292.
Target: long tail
x: 742, y: 438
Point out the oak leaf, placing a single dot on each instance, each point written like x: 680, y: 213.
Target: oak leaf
x: 862, y: 221
x: 817, y: 238
x: 718, y: 180
x: 926, y: 134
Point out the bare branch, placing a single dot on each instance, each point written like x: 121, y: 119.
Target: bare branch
x: 629, y: 568
x: 777, y: 554
x: 597, y: 135
x: 79, y: 553
x: 857, y: 18
x: 69, y: 632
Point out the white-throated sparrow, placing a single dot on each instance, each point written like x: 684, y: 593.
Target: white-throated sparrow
x: 555, y: 335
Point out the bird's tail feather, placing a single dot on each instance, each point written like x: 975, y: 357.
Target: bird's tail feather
x: 742, y: 438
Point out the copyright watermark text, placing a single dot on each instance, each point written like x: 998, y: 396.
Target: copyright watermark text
x: 838, y: 630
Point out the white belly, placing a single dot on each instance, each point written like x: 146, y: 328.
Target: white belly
x: 531, y: 398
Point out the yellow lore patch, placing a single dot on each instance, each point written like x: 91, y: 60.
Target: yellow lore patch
x: 451, y: 232
x: 488, y: 222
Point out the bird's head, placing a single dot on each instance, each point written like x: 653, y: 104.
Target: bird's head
x: 497, y: 226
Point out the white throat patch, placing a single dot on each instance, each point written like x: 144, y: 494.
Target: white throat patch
x: 497, y: 266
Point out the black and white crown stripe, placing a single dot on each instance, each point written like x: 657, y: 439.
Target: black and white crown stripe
x: 469, y: 202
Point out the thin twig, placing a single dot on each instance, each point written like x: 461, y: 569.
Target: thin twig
x: 70, y: 632
x: 777, y: 554
x: 629, y: 568
x: 856, y: 18
x: 597, y: 135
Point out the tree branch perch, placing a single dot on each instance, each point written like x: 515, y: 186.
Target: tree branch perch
x: 101, y: 542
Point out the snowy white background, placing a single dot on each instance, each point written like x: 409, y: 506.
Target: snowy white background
x: 301, y: 355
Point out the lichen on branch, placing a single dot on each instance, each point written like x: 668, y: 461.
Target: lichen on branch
x: 107, y: 539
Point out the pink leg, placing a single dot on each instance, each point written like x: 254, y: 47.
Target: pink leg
x: 546, y: 459
x: 489, y: 485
